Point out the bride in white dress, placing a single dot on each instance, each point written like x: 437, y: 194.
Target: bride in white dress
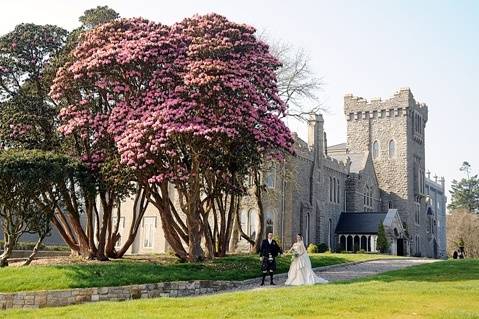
x: 300, y: 271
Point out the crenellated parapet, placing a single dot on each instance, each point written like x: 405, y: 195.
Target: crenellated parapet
x: 336, y: 165
x: 401, y: 104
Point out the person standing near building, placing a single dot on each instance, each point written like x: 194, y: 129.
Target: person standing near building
x: 268, y: 252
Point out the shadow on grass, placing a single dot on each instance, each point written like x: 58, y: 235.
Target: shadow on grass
x: 123, y: 272
x: 441, y: 271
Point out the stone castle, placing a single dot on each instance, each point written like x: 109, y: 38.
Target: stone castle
x: 339, y: 194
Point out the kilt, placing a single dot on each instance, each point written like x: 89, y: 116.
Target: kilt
x: 268, y: 265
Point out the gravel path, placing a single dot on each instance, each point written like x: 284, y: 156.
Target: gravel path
x: 342, y: 272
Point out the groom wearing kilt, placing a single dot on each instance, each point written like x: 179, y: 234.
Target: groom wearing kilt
x: 268, y: 252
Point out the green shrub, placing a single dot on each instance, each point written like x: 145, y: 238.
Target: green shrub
x: 277, y: 239
x: 382, y: 242
x: 312, y: 249
x: 322, y: 248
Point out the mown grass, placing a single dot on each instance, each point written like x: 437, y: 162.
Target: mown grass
x: 126, y: 272
x: 448, y: 289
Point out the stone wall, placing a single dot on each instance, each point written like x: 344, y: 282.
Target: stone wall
x: 40, y: 299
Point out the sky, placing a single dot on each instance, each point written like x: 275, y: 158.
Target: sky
x: 367, y: 48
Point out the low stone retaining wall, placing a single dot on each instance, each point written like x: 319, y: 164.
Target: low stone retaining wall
x: 55, y: 298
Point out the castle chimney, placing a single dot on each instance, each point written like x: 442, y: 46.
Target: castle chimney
x: 428, y: 174
x: 316, y: 138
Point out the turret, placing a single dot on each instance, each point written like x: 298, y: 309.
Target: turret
x: 316, y: 135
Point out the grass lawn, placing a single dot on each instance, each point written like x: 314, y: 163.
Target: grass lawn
x: 130, y: 271
x: 448, y: 289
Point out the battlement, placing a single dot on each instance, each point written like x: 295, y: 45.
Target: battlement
x: 337, y: 165
x: 402, y: 103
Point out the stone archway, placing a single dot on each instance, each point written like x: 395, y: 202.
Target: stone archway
x: 357, y: 242
x: 364, y: 243
x: 349, y: 243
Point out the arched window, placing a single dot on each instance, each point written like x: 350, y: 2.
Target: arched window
x: 330, y: 189
x: 338, y: 191
x: 375, y: 149
x: 270, y: 179
x: 334, y: 189
x: 392, y: 149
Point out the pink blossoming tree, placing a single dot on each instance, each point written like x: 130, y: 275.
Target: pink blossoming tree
x: 194, y: 106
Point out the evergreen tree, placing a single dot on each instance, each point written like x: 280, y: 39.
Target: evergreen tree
x: 465, y: 193
x: 382, y: 243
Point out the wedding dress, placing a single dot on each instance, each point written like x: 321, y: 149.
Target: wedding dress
x: 300, y: 271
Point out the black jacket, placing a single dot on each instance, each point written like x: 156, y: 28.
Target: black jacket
x: 267, y: 248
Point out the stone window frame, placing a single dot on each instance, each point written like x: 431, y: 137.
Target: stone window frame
x: 368, y: 198
x: 338, y: 191
x: 270, y: 178
x: 376, y: 153
x: 394, y: 155
x: 151, y: 241
x: 330, y: 189
x: 334, y: 190
x: 417, y: 213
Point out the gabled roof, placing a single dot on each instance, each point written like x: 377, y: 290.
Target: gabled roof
x: 359, y: 223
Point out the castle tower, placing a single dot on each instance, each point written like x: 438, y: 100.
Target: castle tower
x: 394, y: 132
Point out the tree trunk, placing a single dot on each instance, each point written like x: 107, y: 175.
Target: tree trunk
x: 193, y: 218
x: 107, y: 207
x: 240, y: 230
x: 259, y: 201
x: 162, y: 202
x: 8, y: 246
x: 195, y: 252
x: 139, y: 208
x: 34, y: 251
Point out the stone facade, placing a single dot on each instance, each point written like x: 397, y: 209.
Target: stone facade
x: 40, y: 299
x: 436, y: 213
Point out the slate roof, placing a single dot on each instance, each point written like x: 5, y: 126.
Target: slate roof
x: 359, y: 223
